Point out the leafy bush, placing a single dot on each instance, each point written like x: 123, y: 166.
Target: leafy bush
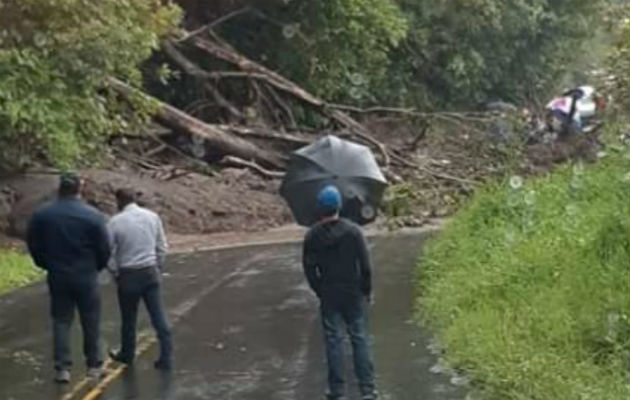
x: 419, y: 53
x: 528, y: 285
x: 16, y: 269
x: 54, y: 57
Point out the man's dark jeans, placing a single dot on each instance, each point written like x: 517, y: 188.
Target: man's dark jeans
x: 65, y: 295
x: 352, y: 313
x: 135, y: 285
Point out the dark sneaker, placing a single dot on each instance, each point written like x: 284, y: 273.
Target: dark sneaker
x: 116, y: 355
x: 62, y: 376
x: 163, y: 365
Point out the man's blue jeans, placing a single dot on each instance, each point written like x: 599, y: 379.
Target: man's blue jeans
x: 352, y: 314
x: 133, y: 286
x: 65, y: 296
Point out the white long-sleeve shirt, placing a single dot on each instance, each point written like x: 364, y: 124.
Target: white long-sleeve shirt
x: 137, y: 239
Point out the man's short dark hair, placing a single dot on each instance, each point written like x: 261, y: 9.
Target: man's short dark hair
x: 326, y: 212
x: 125, y: 196
x: 69, y: 184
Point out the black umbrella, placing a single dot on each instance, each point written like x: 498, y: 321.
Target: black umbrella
x: 349, y: 166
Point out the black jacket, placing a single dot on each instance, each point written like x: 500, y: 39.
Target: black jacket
x: 336, y: 261
x: 68, y: 239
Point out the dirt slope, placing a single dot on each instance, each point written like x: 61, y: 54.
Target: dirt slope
x: 234, y: 200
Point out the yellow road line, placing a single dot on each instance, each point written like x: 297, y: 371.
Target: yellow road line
x: 100, y: 388
x: 115, y: 373
x: 145, y: 340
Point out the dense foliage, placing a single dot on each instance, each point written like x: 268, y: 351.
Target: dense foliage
x: 465, y: 52
x: 528, y: 285
x: 338, y: 48
x: 419, y: 52
x: 54, y: 56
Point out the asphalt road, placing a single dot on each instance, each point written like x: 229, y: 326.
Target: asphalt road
x: 245, y: 327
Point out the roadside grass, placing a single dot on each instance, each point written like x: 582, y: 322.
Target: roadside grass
x: 528, y: 286
x: 16, y: 270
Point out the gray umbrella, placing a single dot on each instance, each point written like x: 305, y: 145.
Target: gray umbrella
x: 349, y: 166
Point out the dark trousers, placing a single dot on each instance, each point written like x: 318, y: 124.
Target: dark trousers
x: 65, y: 295
x: 135, y: 285
x: 352, y: 314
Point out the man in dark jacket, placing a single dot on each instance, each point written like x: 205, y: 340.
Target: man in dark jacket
x: 337, y: 267
x: 69, y: 240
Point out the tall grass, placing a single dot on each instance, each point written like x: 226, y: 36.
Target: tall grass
x: 528, y: 287
x: 16, y: 269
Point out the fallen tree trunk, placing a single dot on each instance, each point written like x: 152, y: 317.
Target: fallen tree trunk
x: 220, y: 140
x: 264, y: 133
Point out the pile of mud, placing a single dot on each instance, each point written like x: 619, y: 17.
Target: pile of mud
x: 233, y: 200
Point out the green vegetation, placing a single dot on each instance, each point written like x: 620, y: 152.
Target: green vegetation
x: 418, y: 53
x: 527, y: 286
x: 464, y: 52
x: 338, y: 49
x: 16, y: 269
x: 54, y: 59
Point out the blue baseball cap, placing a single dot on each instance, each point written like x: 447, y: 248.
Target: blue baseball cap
x: 329, y: 199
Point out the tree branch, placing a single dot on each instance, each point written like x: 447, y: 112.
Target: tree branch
x: 237, y: 162
x: 274, y: 79
x: 264, y: 133
x: 214, y: 23
x: 223, y: 102
x: 284, y: 106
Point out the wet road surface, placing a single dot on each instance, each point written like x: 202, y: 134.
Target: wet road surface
x: 245, y: 327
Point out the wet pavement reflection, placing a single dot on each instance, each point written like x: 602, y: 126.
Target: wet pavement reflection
x: 246, y: 327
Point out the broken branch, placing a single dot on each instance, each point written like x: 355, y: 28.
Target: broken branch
x: 214, y: 23
x: 255, y: 70
x: 237, y: 162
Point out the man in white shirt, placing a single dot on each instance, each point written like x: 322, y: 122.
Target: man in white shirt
x: 138, y: 247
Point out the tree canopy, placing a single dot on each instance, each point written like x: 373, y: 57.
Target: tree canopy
x: 422, y: 53
x: 54, y: 56
x: 338, y: 48
x: 465, y: 52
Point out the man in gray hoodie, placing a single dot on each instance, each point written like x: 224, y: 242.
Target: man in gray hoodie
x: 337, y: 266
